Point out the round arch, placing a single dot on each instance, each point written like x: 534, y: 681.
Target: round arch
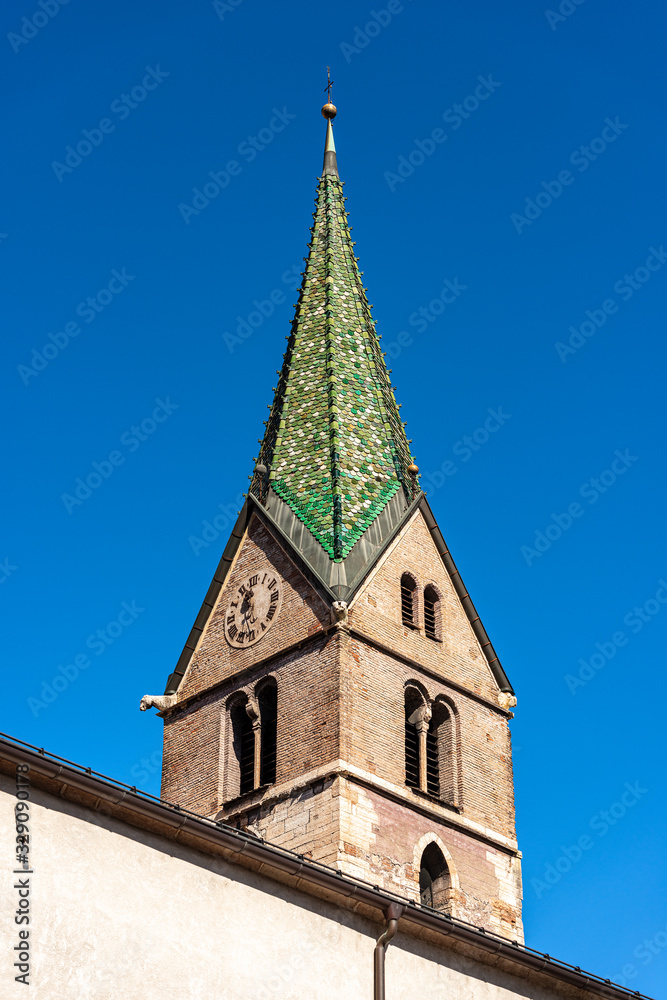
x: 410, y: 590
x: 415, y: 685
x: 447, y: 721
x: 433, y: 613
x: 266, y: 681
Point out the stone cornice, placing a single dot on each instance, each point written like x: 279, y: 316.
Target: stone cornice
x: 447, y: 815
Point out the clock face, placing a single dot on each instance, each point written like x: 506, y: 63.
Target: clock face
x: 253, y: 608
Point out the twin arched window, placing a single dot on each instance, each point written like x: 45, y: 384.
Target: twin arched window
x: 410, y: 607
x: 253, y: 740
x: 430, y: 746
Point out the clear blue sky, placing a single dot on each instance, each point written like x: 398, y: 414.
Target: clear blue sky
x: 540, y: 200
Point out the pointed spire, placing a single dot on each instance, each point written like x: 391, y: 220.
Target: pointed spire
x: 329, y: 111
x: 330, y: 165
x: 334, y: 450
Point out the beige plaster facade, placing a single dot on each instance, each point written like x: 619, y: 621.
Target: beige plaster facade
x: 120, y: 910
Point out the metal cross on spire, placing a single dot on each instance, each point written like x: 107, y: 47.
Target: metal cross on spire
x: 329, y: 85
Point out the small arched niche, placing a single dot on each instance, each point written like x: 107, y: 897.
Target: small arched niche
x: 435, y: 882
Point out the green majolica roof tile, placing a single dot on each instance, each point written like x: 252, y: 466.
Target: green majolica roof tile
x: 335, y: 448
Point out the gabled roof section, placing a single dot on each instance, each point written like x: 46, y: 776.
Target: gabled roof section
x: 335, y: 450
x: 343, y: 579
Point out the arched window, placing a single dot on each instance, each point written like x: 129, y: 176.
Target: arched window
x: 432, y: 613
x: 430, y: 746
x: 442, y: 768
x: 432, y: 758
x: 434, y: 879
x: 408, y: 601
x: 425, y: 886
x: 268, y: 718
x: 243, y: 745
x: 413, y: 703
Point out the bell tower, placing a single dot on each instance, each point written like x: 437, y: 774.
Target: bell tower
x: 338, y: 694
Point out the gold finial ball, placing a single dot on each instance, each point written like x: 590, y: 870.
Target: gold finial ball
x: 414, y: 469
x: 329, y: 111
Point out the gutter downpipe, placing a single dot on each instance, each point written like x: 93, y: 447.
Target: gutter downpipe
x: 393, y: 913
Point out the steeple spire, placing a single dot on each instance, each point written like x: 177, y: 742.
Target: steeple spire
x: 329, y: 111
x: 334, y: 451
x: 330, y: 165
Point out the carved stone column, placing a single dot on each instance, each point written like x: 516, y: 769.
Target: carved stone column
x: 252, y: 711
x: 420, y: 719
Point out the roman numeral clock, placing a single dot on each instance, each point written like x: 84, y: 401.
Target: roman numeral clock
x: 253, y: 608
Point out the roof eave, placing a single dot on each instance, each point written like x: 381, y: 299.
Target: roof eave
x: 146, y: 811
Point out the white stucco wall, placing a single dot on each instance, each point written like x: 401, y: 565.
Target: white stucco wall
x: 119, y: 913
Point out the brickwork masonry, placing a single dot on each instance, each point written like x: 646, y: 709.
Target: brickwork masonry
x: 340, y: 795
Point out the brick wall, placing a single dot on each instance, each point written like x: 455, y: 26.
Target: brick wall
x: 196, y: 737
x: 376, y: 610
x: 340, y: 793
x: 302, y: 613
x: 372, y: 732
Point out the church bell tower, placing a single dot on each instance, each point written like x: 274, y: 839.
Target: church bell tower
x: 338, y: 694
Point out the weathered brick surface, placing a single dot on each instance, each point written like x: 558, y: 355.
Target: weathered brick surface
x: 302, y: 612
x: 376, y: 610
x: 191, y: 757
x: 372, y: 733
x: 340, y: 793
x: 379, y: 838
x: 197, y: 753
